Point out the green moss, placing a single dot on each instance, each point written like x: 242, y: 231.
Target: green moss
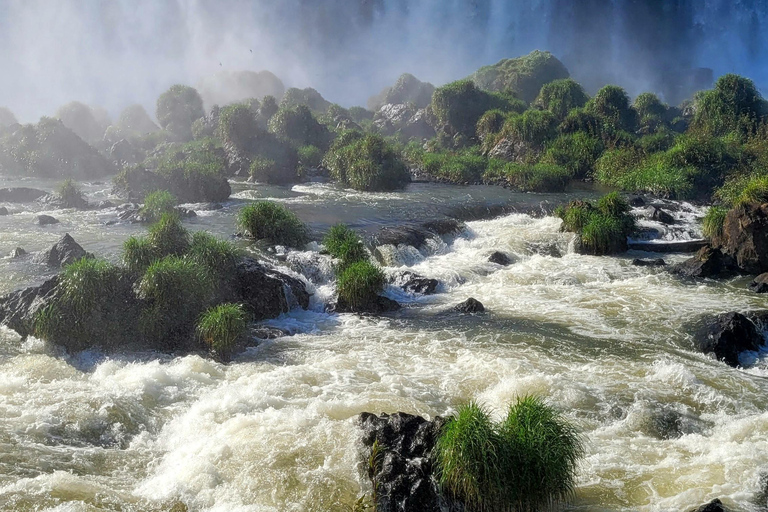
x: 157, y: 204
x: 524, y: 76
x: 602, y: 227
x: 178, y: 108
x: 712, y: 225
x: 345, y: 245
x: 561, y: 96
x: 221, y: 326
x: 265, y: 220
x: 359, y: 284
x: 575, y: 152
x: 367, y: 163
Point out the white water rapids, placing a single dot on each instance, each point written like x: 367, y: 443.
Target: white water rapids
x: 609, y: 343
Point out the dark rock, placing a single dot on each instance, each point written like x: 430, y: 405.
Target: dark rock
x: 760, y: 283
x: 500, y: 259
x: 636, y: 201
x: 412, y: 282
x: 658, y: 262
x: 745, y: 237
x: 18, y: 309
x: 64, y: 252
x: 20, y: 194
x: 378, y: 306
x: 56, y: 201
x: 713, y: 506
x: 263, y: 332
x: 401, y: 470
x: 660, y: 215
x: 470, y: 306
x: 442, y: 227
x: 103, y: 205
x: 18, y: 253
x: 708, y: 262
x: 266, y: 293
x: 729, y: 335
x: 675, y: 246
x: 3, y: 210
x: 402, y: 235
x: 45, y: 220
x: 124, y: 151
x: 185, y: 213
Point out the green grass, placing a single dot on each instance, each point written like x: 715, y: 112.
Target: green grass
x: 576, y: 152
x: 221, y: 326
x: 526, y: 462
x: 367, y: 163
x: 265, y: 220
x: 712, y: 224
x: 217, y: 255
x: 157, y: 204
x: 168, y: 237
x: 561, y: 96
x: 138, y: 254
x: 602, y: 227
x: 344, y: 244
x: 310, y: 156
x: 359, y: 284
x: 539, y: 177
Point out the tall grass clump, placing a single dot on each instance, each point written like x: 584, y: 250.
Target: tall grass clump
x: 157, y: 204
x: 70, y: 194
x: 602, y: 227
x: 526, y: 462
x: 168, y: 236
x: 217, y: 255
x: 221, y: 326
x: 265, y: 220
x: 712, y: 225
x: 359, y: 284
x: 540, y: 177
x: 369, y: 163
x: 138, y: 254
x: 344, y: 244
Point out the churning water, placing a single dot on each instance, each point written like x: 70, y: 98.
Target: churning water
x: 609, y: 343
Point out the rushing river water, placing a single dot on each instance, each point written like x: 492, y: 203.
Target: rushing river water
x: 609, y: 343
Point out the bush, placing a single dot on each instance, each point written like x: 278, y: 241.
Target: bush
x: 576, y: 152
x: 611, y: 105
x: 237, y: 124
x: 175, y: 291
x: 534, y: 128
x: 218, y: 256
x: 741, y: 190
x: 264, y: 170
x: 344, y: 244
x: 193, y: 172
x: 71, y: 195
x: 581, y: 120
x: 300, y: 126
x: 368, y: 164
x: 463, y: 167
x: 157, y: 204
x: 221, y: 326
x: 561, y: 96
x: 168, y: 237
x: 360, y: 114
x: 526, y: 462
x: 359, y: 284
x: 539, y: 177
x: 268, y: 108
x: 265, y: 220
x: 651, y: 112
x: 310, y: 156
x: 490, y: 124
x: 733, y: 106
x: 138, y: 254
x: 134, y: 119
x: 602, y: 227
x: 524, y: 76
x: 712, y: 225
x: 177, y: 109
x: 309, y: 97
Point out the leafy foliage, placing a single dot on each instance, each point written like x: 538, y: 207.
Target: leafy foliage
x: 733, y: 106
x: 611, y: 105
x: 300, y: 126
x: 221, y: 326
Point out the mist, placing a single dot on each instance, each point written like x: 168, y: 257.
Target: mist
x: 121, y: 52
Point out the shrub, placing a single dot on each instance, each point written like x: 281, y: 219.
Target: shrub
x: 368, y: 164
x: 136, y: 120
x: 602, y: 227
x: 92, y: 308
x: 524, y: 75
x: 178, y: 108
x: 733, y: 106
x: 168, y: 237
x: 216, y: 255
x: 193, y: 172
x: 581, y: 120
x: 533, y: 127
x: 300, y: 126
x: 264, y: 170
x: 712, y: 225
x: 576, y: 152
x: 268, y: 108
x: 490, y: 123
x: 463, y: 167
x: 265, y: 220
x: 221, y: 326
x: 359, y: 284
x: 237, y: 124
x: 310, y: 156
x: 741, y: 190
x: 309, y: 97
x: 71, y: 195
x: 651, y: 112
x: 157, y: 204
x: 611, y: 104
x: 539, y: 177
x: 344, y: 244
x: 561, y: 96
x: 662, y: 140
x: 360, y: 114
x: 138, y: 254
x: 175, y: 290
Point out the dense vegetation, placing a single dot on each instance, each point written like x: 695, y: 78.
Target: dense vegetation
x: 602, y: 227
x: 265, y: 220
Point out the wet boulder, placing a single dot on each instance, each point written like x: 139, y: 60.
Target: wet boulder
x: 745, y: 237
x: 470, y: 306
x: 45, y: 220
x: 412, y: 282
x: 63, y: 252
x: 713, y: 506
x: 20, y: 194
x: 377, y: 306
x: 708, y: 262
x: 3, y: 210
x: 727, y: 336
x: 500, y: 258
x: 760, y: 283
x: 444, y: 227
x: 657, y: 262
x: 660, y: 215
x: 19, y: 308
x: 397, y: 450
x: 265, y: 292
x: 17, y: 253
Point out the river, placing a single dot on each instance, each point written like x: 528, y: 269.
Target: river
x: 609, y: 343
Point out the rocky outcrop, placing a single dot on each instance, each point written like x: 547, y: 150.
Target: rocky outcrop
x: 3, y: 210
x: 470, y: 306
x: 760, y: 283
x: 45, y: 220
x: 18, y: 309
x: 399, y: 462
x: 417, y: 235
x: 410, y: 122
x: 17, y: 253
x: 660, y: 215
x: 745, y: 237
x: 63, y: 252
x: 708, y: 262
x: 20, y: 194
x: 727, y: 336
x: 412, y: 282
x: 266, y: 293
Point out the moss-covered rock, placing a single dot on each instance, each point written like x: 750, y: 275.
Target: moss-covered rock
x: 309, y: 97
x: 82, y: 120
x: 407, y: 89
x: 523, y: 75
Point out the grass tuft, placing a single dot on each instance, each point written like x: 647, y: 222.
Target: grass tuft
x: 712, y: 225
x: 344, y: 244
x: 359, y: 284
x: 157, y: 204
x: 265, y: 220
x: 221, y: 326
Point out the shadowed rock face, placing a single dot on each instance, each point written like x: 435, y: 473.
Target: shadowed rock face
x: 727, y: 336
x: 64, y: 252
x: 20, y: 194
x: 745, y: 237
x: 400, y: 466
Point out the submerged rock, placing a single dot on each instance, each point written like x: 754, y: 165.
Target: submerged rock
x: 63, y: 252
x: 398, y: 461
x: 713, y: 506
x: 45, y: 220
x: 3, y: 210
x: 727, y: 336
x: 660, y: 215
x: 658, y: 262
x: 470, y: 306
x: 760, y: 283
x: 500, y: 259
x: 18, y: 252
x: 412, y: 282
